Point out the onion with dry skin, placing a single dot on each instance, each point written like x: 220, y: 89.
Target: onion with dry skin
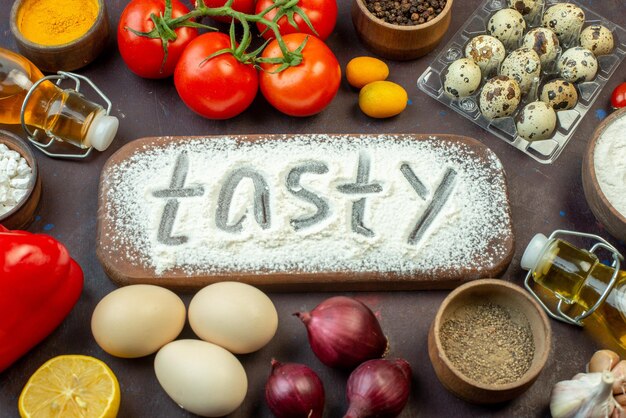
x: 343, y: 332
x: 378, y: 389
x: 294, y: 391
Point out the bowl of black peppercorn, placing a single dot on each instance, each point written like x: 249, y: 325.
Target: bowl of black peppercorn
x: 401, y: 29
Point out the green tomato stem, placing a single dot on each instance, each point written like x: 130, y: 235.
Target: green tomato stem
x: 167, y: 25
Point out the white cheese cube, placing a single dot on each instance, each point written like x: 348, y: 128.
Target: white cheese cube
x: 11, y: 168
x: 18, y: 194
x: 20, y: 182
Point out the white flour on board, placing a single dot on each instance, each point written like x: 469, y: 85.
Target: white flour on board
x: 466, y: 229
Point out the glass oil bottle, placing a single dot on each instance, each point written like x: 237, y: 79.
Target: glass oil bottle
x: 27, y: 97
x: 588, y: 292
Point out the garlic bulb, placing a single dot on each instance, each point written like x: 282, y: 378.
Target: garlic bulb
x: 587, y: 395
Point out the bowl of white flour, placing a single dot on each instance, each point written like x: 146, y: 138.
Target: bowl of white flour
x: 604, y: 174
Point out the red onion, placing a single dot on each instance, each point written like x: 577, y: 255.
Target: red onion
x: 343, y: 332
x: 378, y: 388
x: 294, y: 391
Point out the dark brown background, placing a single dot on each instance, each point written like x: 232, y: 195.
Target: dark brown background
x: 543, y: 198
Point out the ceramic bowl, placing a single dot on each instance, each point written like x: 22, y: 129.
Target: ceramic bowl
x: 65, y: 57
x: 21, y: 216
x: 509, y: 296
x: 603, y: 210
x: 399, y: 42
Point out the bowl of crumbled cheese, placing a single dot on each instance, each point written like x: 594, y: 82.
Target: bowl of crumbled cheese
x: 20, y: 185
x: 604, y: 174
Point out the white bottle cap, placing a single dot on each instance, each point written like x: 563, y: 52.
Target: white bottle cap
x: 533, y: 251
x: 102, y: 131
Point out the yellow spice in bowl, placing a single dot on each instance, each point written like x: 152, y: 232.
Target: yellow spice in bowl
x: 56, y: 22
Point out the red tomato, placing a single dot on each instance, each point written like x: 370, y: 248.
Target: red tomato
x: 321, y: 13
x: 305, y: 89
x: 218, y: 88
x: 618, y: 98
x: 144, y: 56
x: 243, y: 6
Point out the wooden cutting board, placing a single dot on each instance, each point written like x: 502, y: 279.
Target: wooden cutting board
x: 304, y: 212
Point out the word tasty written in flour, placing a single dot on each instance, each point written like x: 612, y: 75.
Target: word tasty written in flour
x: 313, y: 203
x: 357, y: 191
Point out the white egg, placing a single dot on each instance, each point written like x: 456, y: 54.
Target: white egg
x: 508, y: 26
x: 135, y: 321
x: 559, y: 94
x: 566, y: 20
x: 499, y: 97
x: 487, y: 52
x: 536, y: 121
x: 544, y: 42
x: 598, y: 39
x: 462, y: 78
x: 524, y: 66
x: 234, y: 315
x: 201, y: 377
x: 577, y: 65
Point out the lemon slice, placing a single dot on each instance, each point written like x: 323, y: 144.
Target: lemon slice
x: 71, y: 386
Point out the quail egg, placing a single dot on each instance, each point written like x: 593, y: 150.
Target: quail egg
x: 536, y: 121
x: 486, y: 51
x: 527, y: 8
x: 508, y: 26
x: 463, y: 78
x: 559, y: 94
x: 578, y: 64
x: 499, y: 97
x: 544, y: 42
x: 598, y: 39
x: 524, y: 66
x: 566, y: 20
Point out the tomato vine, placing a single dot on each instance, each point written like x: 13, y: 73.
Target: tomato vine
x: 165, y: 26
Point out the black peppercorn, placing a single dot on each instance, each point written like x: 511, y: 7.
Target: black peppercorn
x: 405, y: 12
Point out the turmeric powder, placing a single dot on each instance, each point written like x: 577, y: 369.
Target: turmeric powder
x: 56, y: 22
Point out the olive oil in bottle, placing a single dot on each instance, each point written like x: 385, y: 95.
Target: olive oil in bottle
x: 578, y: 278
x: 62, y: 114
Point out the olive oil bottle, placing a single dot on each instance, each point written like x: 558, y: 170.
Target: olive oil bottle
x: 578, y: 279
x: 62, y: 114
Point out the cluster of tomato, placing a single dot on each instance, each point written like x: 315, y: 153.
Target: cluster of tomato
x: 222, y: 87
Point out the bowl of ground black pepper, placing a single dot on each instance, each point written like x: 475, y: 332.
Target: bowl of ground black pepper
x: 60, y: 35
x: 489, y: 341
x: 401, y: 29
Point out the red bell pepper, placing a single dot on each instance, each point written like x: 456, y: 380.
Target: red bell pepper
x: 39, y: 285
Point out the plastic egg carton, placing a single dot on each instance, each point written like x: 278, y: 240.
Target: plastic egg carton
x: 546, y: 151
